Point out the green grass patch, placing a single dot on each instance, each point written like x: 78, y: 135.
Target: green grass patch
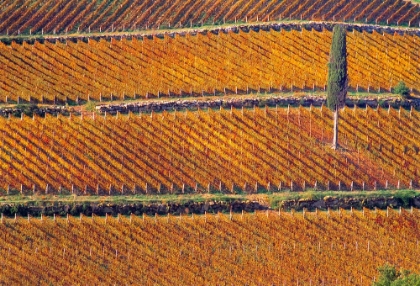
x: 274, y: 200
x: 268, y: 198
x: 90, y: 106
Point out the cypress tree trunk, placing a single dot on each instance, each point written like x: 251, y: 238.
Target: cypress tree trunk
x: 337, y: 76
x: 335, y: 138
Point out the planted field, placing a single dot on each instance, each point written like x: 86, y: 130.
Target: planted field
x: 205, y: 63
x: 340, y: 248
x: 54, y: 17
x: 207, y: 161
x: 206, y: 151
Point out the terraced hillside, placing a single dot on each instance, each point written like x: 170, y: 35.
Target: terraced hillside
x: 50, y: 16
x: 57, y: 52
x: 264, y: 248
x: 206, y: 151
x: 73, y: 51
x: 211, y: 62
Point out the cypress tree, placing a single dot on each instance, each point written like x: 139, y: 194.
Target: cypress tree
x: 337, y: 76
x: 337, y: 69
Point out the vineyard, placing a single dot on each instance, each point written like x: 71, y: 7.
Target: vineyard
x: 88, y: 16
x: 267, y: 248
x: 230, y: 151
x: 204, y: 63
x: 221, y: 168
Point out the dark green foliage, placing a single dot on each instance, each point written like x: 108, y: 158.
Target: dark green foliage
x: 27, y: 109
x: 337, y: 69
x: 402, y: 90
x: 389, y: 276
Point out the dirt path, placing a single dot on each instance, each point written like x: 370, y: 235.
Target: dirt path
x: 157, y: 32
x: 262, y: 198
x: 89, y: 108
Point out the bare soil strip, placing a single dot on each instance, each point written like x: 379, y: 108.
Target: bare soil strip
x: 317, y: 25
